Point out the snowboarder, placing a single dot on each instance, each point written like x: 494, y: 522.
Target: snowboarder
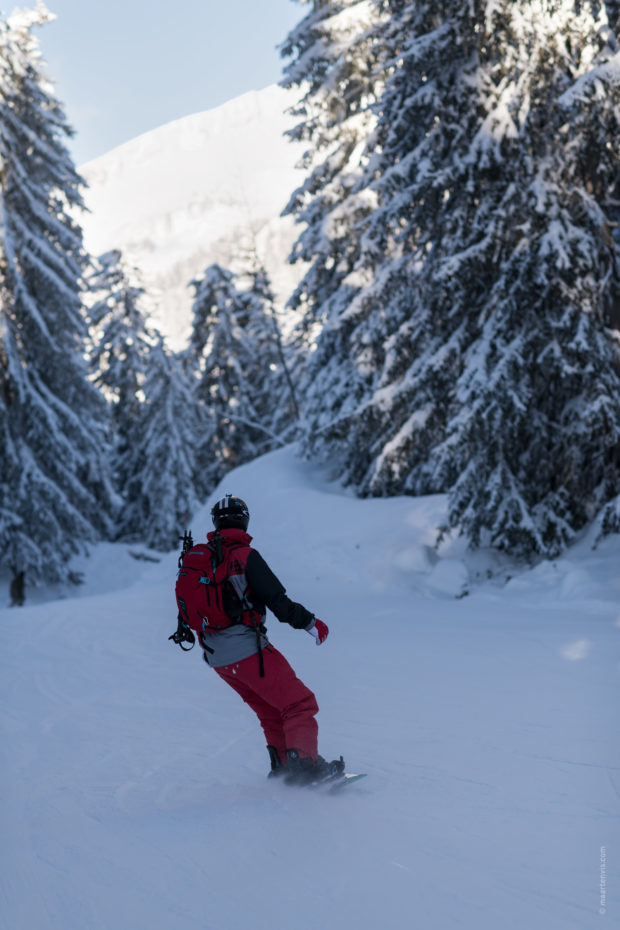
x: 235, y: 582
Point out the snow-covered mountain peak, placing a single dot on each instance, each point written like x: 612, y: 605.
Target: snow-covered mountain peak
x: 207, y: 187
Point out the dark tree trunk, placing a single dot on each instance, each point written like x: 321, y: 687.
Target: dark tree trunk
x: 18, y: 589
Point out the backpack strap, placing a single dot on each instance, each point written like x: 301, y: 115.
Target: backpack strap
x: 217, y: 548
x: 216, y: 545
x: 261, y: 663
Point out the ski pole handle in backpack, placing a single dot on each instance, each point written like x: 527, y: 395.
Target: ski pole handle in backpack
x: 188, y: 543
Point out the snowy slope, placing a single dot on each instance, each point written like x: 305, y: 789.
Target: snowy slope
x: 134, y: 781
x: 201, y: 189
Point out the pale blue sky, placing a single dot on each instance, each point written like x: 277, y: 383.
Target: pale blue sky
x: 123, y: 67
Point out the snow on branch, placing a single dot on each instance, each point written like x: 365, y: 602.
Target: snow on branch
x: 598, y: 81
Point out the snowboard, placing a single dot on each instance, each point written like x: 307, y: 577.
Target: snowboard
x: 337, y: 782
x: 341, y: 781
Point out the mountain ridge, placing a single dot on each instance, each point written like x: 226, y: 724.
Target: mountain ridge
x: 208, y: 187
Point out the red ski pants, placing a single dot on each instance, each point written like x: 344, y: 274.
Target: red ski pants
x: 282, y: 703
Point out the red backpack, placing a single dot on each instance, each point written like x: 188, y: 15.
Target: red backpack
x: 211, y: 585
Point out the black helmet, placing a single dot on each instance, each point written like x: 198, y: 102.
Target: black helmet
x: 230, y: 513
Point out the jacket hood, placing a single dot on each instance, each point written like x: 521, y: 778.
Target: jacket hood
x: 234, y: 534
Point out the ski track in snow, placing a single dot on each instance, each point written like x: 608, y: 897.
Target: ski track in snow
x: 134, y: 781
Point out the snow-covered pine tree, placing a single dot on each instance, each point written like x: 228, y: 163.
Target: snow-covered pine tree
x: 384, y: 366
x: 539, y: 395
x: 335, y: 63
x: 9, y: 460
x: 609, y: 519
x: 156, y: 423
x: 283, y: 407
x: 495, y: 373
x: 58, y: 497
x: 162, y: 486
x: 121, y: 345
x: 237, y: 357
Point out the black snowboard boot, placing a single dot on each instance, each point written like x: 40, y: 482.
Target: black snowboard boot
x: 303, y: 771
x: 277, y: 766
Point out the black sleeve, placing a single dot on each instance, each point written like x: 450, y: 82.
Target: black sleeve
x: 266, y: 589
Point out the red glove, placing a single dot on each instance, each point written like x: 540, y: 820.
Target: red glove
x: 320, y: 631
